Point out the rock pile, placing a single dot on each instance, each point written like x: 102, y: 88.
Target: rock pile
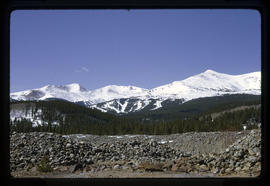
x: 243, y: 157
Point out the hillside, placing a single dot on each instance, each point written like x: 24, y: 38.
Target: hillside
x: 177, y: 110
x: 56, y: 116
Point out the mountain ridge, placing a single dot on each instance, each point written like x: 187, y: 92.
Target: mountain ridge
x: 206, y: 84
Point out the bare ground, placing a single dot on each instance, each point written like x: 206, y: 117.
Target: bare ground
x: 115, y: 174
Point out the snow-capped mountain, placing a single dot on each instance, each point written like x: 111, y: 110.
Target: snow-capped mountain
x: 125, y: 99
x: 71, y: 92
x: 75, y: 93
x: 210, y: 83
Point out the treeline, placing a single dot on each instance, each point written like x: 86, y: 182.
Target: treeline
x: 72, y: 118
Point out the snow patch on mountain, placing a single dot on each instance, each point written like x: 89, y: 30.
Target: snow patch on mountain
x: 27, y: 114
x: 123, y: 106
x: 99, y: 108
x: 157, y: 104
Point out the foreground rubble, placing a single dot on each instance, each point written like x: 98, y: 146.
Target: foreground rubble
x: 189, y: 154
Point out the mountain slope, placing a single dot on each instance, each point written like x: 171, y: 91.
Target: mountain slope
x: 63, y: 115
x: 173, y: 110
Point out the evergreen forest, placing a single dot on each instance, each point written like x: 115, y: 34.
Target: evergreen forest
x: 64, y: 117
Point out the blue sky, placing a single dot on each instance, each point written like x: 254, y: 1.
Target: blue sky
x: 144, y: 48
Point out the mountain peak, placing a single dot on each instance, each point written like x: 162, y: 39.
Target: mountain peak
x: 75, y: 87
x: 210, y: 71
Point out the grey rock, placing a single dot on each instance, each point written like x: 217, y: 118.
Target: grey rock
x: 116, y: 167
x: 71, y: 156
x: 75, y: 167
x: 33, y: 160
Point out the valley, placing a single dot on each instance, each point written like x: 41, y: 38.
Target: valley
x: 208, y: 125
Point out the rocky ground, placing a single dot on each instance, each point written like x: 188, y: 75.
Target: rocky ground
x: 210, y: 154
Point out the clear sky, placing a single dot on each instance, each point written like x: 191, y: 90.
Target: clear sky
x: 144, y: 48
